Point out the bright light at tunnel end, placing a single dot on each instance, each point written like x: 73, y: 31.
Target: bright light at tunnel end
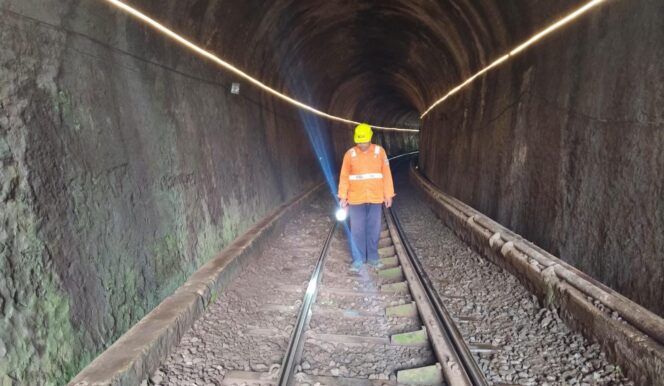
x: 178, y: 38
x: 520, y: 48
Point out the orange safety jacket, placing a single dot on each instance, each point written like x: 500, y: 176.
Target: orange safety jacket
x: 365, y: 176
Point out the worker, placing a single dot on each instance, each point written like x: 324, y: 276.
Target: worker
x: 365, y: 184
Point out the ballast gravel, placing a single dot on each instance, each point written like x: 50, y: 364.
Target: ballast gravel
x: 378, y: 326
x: 372, y: 361
x: 534, y: 345
x: 248, y: 326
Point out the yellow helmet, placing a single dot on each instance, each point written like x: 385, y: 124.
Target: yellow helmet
x: 363, y: 133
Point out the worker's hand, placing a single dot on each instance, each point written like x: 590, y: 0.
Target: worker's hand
x: 388, y: 202
x: 343, y: 202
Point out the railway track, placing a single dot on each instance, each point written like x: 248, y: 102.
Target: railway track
x: 276, y: 324
x: 375, y: 327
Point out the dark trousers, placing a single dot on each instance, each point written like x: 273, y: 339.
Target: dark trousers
x: 365, y: 230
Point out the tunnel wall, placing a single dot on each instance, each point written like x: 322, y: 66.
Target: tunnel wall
x: 125, y: 164
x: 565, y: 145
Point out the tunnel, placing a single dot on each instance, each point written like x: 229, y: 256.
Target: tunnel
x: 129, y: 161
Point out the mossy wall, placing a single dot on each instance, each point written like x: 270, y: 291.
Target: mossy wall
x: 125, y: 164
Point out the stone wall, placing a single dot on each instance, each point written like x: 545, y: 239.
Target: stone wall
x: 565, y: 145
x: 125, y: 164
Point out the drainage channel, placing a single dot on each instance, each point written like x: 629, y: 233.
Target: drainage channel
x: 375, y: 327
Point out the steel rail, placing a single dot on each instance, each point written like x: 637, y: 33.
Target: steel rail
x: 294, y: 349
x: 443, y: 316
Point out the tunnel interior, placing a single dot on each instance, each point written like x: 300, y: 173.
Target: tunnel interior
x: 126, y: 161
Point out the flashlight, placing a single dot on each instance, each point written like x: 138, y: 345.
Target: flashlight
x: 341, y: 214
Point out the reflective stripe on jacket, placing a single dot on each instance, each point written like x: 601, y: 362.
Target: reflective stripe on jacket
x: 365, y: 176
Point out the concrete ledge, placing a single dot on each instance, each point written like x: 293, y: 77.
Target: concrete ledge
x: 635, y: 341
x: 138, y: 352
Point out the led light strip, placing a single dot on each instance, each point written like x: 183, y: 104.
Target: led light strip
x: 171, y: 34
x: 517, y: 50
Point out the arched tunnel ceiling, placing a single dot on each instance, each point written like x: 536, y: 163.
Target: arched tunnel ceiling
x: 371, y: 59
x: 385, y: 62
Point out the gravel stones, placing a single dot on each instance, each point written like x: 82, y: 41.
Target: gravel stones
x: 362, y: 360
x: 248, y: 326
x: 362, y: 325
x: 536, y: 347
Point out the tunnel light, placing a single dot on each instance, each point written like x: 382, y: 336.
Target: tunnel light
x: 222, y: 63
x: 342, y: 214
x: 532, y: 40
